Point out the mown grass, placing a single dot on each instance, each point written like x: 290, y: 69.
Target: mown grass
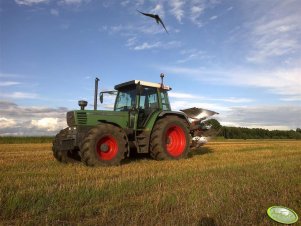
x: 223, y: 183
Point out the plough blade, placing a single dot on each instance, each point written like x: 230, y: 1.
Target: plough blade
x: 198, y: 114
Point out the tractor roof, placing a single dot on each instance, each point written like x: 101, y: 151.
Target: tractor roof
x: 143, y: 83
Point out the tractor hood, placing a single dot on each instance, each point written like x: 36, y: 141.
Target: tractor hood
x: 198, y: 114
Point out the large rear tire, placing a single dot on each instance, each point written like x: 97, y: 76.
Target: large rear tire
x: 104, y: 145
x: 170, y: 138
x: 66, y: 156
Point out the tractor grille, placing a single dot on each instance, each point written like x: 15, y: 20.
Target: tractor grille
x: 82, y: 118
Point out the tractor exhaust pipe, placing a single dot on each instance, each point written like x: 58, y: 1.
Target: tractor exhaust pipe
x: 162, y: 76
x: 95, y: 94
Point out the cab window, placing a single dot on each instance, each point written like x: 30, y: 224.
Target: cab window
x: 165, y: 101
x: 148, y: 98
x: 125, y: 100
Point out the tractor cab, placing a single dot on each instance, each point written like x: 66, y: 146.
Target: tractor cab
x: 141, y: 99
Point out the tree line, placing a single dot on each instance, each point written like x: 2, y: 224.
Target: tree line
x: 230, y: 132
x: 257, y: 133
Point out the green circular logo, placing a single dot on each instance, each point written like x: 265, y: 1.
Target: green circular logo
x: 282, y: 214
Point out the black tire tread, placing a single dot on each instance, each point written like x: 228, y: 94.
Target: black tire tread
x: 88, y: 153
x: 63, y: 156
x: 157, y: 148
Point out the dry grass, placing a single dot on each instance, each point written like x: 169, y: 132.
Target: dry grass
x: 223, y: 183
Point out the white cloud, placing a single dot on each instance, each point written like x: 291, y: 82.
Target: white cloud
x: 19, y: 95
x: 139, y: 2
x: 192, y: 10
x: 193, y: 97
x: 124, y: 3
x: 30, y: 121
x: 50, y: 124
x: 149, y: 27
x: 182, y: 95
x: 275, y: 30
x: 283, y: 81
x: 293, y: 98
x: 159, y: 9
x: 9, y: 83
x: 269, y: 117
x: 198, y: 8
x: 193, y: 72
x: 177, y: 9
x: 193, y: 54
x: 213, y: 17
x: 232, y: 100
x: 269, y: 47
x: 179, y: 104
x: 196, y: 12
x: 30, y: 2
x: 72, y: 2
x: 7, y: 122
x: 272, y: 127
x: 131, y: 41
x: 147, y: 45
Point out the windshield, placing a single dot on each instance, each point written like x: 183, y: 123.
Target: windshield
x: 148, y: 98
x: 125, y: 100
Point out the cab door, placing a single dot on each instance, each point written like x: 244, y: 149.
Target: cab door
x: 148, y: 104
x: 126, y: 101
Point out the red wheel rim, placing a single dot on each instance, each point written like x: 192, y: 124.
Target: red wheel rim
x: 175, y: 141
x: 111, y: 148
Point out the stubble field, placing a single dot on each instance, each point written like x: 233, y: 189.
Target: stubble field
x: 223, y: 183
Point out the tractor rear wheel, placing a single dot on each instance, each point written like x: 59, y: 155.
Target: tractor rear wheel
x: 66, y: 156
x: 104, y: 145
x: 170, y: 138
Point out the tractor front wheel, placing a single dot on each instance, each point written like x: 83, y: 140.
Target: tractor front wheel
x: 66, y: 156
x: 170, y: 138
x: 104, y: 145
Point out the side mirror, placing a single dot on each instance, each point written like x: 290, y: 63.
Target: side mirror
x: 101, y: 97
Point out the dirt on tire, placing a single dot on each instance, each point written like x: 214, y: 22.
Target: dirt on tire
x: 66, y: 156
x: 170, y: 138
x: 104, y: 145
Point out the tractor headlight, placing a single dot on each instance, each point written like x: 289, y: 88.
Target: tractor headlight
x: 70, y: 118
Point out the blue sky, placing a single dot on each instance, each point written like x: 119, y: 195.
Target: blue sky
x: 239, y: 58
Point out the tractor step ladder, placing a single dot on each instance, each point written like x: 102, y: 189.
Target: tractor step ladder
x: 142, y: 141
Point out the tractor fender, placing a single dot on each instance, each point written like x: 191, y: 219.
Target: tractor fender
x: 177, y: 113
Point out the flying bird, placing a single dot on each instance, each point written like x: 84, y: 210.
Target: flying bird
x: 156, y: 17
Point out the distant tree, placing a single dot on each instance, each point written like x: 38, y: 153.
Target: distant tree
x: 214, y: 123
x: 258, y: 133
x: 216, y: 127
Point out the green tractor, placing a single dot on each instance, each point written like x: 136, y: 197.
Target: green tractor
x: 142, y: 120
